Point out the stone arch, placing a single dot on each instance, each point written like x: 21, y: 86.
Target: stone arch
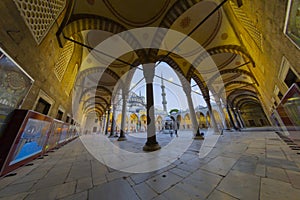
x: 102, y: 88
x: 241, y: 91
x: 197, y: 78
x: 234, y: 49
x: 96, y: 105
x: 143, y: 120
x: 179, y: 120
x: 237, y: 71
x: 158, y: 122
x: 187, y: 121
x: 236, y: 82
x: 177, y: 9
x: 94, y: 109
x: 90, y: 22
x: 94, y: 99
x: 217, y: 117
x: 236, y: 98
x: 202, y: 123
x: 208, y: 119
x: 242, y: 101
x: 133, y: 121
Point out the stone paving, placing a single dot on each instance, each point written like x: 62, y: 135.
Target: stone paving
x: 242, y: 165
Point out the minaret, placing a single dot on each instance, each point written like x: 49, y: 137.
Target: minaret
x: 163, y: 94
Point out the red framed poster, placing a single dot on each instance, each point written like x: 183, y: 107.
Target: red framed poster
x: 23, y: 139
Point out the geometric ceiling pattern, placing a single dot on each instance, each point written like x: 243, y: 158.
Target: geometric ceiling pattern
x: 205, y: 22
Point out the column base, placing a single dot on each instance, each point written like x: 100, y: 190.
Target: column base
x: 151, y: 147
x: 122, y: 138
x: 198, y: 136
x: 111, y: 135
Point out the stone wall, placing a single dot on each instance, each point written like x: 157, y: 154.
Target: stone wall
x: 38, y: 60
x: 268, y: 17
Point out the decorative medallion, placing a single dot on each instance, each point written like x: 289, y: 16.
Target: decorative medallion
x: 185, y: 22
x: 224, y: 36
x: 91, y: 2
x: 146, y: 12
x: 237, y: 62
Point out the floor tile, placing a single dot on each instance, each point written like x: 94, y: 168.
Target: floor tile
x: 163, y: 181
x: 218, y: 195
x: 144, y: 191
x: 240, y: 185
x: 220, y: 165
x: 117, y: 189
x: 277, y: 190
x: 277, y: 173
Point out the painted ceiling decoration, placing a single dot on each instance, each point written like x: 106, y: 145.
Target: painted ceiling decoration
x: 154, y: 11
x: 243, y: 96
x: 243, y: 102
x: 204, y: 21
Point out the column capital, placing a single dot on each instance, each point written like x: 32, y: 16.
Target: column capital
x: 187, y: 89
x: 206, y: 98
x: 148, y: 71
x: 125, y: 96
x: 218, y: 102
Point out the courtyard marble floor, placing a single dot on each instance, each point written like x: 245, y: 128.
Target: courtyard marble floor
x: 251, y: 164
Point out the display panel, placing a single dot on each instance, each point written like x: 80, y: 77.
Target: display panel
x: 64, y: 133
x: 54, y: 135
x: 23, y: 139
x: 32, y: 140
x: 15, y: 83
x: 292, y: 22
x: 289, y: 111
x: 70, y: 132
x: 289, y: 107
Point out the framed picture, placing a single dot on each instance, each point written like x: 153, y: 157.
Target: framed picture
x: 64, y: 134
x: 24, y: 139
x: 292, y: 22
x: 15, y: 84
x: 54, y: 135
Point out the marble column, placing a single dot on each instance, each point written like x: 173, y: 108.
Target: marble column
x: 230, y: 117
x: 187, y: 90
x: 107, y: 121
x: 151, y: 144
x: 212, y: 117
x: 113, y: 124
x: 222, y: 114
x: 101, y: 124
x: 235, y: 117
x: 122, y: 136
x: 241, y: 119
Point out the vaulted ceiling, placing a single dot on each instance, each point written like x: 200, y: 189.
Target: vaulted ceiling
x: 127, y: 25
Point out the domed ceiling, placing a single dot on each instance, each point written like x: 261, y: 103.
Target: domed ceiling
x: 203, y: 21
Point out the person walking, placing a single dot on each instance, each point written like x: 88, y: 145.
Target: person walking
x: 175, y: 127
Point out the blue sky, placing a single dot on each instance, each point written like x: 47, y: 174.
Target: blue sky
x: 175, y: 95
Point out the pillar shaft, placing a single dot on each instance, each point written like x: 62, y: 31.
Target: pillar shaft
x: 123, y: 119
x: 236, y: 119
x: 241, y: 119
x: 192, y: 114
x: 151, y: 143
x: 222, y: 114
x: 212, y: 117
x: 107, y: 121
x: 113, y: 124
x: 187, y: 90
x: 150, y: 115
x: 230, y: 117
